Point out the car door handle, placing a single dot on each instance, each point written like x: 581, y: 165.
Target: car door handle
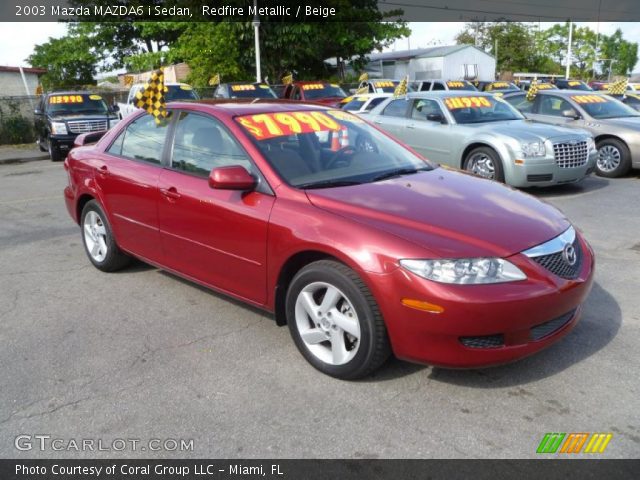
x: 377, y: 122
x: 170, y: 192
x: 103, y: 171
x: 411, y: 125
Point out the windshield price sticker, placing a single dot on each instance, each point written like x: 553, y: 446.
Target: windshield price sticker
x: 66, y: 99
x: 455, y: 84
x: 313, y: 86
x: 545, y: 86
x: 453, y: 103
x: 589, y: 99
x: 573, y: 83
x: 270, y: 125
x: 383, y: 84
x: 240, y: 88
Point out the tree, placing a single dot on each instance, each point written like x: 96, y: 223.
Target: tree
x: 624, y: 54
x: 68, y: 60
x: 554, y: 41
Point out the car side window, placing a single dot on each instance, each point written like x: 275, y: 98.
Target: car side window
x: 552, y: 105
x: 202, y: 143
x: 438, y: 86
x: 425, y: 87
x: 142, y: 140
x: 421, y: 108
x: 521, y: 103
x: 296, y: 93
x: 396, y: 108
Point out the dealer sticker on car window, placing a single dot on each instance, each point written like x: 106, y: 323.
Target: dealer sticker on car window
x: 589, y: 99
x: 66, y: 99
x: 383, y: 84
x: 313, y: 86
x: 500, y: 85
x: 270, y: 125
x: 453, y: 103
x: 239, y: 88
x: 574, y: 83
x: 544, y: 86
x: 455, y: 84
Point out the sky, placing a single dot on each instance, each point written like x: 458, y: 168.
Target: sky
x: 13, y: 52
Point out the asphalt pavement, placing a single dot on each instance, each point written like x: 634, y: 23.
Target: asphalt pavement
x: 142, y: 354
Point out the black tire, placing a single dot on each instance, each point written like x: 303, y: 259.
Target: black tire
x: 54, y: 153
x: 498, y: 169
x: 373, y: 345
x: 41, y: 145
x: 114, y: 259
x: 612, y: 146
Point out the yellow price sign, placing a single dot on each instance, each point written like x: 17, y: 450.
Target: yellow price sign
x: 270, y: 125
x: 58, y: 99
x: 589, y: 99
x: 455, y: 84
x: 313, y: 86
x: 454, y: 103
x: 241, y: 88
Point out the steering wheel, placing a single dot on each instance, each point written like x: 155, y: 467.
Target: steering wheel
x: 338, y: 156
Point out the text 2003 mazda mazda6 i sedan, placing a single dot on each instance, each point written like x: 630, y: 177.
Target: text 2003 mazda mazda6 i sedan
x: 361, y: 246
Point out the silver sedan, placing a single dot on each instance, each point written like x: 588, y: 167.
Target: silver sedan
x: 614, y: 125
x: 484, y: 135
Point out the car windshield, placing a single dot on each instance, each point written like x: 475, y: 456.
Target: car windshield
x: 77, y: 104
x: 461, y: 85
x: 251, y: 91
x: 328, y: 148
x: 501, y: 87
x: 480, y: 109
x: 602, y: 107
x: 322, y: 90
x: 180, y: 92
x: 386, y: 86
x: 578, y: 85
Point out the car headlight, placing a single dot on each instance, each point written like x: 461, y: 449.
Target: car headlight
x: 58, y: 128
x: 533, y: 149
x: 113, y: 122
x: 591, y: 144
x: 465, y: 271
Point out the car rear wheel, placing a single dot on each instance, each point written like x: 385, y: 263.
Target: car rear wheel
x: 98, y: 240
x: 484, y: 162
x: 41, y: 145
x: 335, y: 321
x: 614, y: 159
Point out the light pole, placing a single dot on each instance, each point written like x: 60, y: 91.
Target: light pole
x: 256, y: 34
x: 568, y: 71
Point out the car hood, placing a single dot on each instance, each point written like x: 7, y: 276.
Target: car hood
x: 523, y: 130
x: 80, y: 116
x: 451, y: 214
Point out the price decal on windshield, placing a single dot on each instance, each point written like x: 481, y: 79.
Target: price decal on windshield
x: 589, y: 99
x: 313, y: 86
x: 383, y: 84
x: 66, y: 99
x: 453, y: 103
x: 238, y: 88
x: 270, y: 125
x: 455, y: 84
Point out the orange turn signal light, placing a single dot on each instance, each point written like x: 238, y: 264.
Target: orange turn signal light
x: 517, y: 161
x: 422, y: 305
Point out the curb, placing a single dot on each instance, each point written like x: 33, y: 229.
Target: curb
x: 9, y: 161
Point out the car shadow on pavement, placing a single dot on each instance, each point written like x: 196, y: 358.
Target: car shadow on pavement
x: 589, y: 184
x: 600, y: 322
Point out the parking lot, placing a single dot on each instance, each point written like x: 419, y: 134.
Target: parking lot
x: 141, y: 354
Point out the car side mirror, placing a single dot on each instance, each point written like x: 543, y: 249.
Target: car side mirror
x: 233, y: 177
x: 435, y: 117
x: 115, y: 108
x: 37, y: 111
x: 571, y: 113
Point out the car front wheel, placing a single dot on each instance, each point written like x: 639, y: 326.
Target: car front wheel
x: 484, y: 162
x: 335, y: 321
x: 54, y: 152
x: 614, y: 159
x: 98, y: 239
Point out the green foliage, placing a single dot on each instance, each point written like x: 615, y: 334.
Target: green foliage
x: 69, y: 61
x: 624, y: 53
x: 14, y: 128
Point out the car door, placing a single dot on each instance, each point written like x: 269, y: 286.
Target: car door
x: 393, y: 118
x: 428, y: 137
x: 218, y: 237
x: 127, y: 175
x: 549, y: 108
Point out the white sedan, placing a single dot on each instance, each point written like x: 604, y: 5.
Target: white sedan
x: 363, y: 103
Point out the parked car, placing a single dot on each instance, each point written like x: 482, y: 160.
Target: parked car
x: 361, y: 252
x: 244, y: 90
x: 363, y: 103
x: 484, y: 135
x: 572, y: 85
x: 631, y: 99
x: 498, y: 88
x: 604, y: 86
x: 614, y: 125
x: 175, y: 91
x: 315, y: 91
x: 428, y: 85
x: 526, y: 85
x: 379, y: 85
x: 61, y: 116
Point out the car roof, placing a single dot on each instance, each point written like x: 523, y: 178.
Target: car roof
x: 448, y: 93
x: 232, y: 107
x: 243, y: 83
x: 305, y: 82
x: 72, y: 92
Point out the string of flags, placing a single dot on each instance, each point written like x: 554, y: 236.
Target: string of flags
x: 151, y: 97
x: 215, y: 80
x: 533, y: 90
x: 287, y: 79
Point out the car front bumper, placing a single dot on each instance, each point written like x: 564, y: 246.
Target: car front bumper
x: 545, y: 172
x: 482, y: 325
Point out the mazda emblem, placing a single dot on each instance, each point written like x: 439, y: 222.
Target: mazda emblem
x: 569, y: 254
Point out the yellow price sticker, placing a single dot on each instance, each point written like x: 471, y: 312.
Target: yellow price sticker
x: 454, y: 103
x: 455, y: 84
x: 240, y: 88
x: 95, y: 97
x: 270, y: 125
x: 186, y: 87
x: 57, y: 99
x: 313, y: 86
x: 589, y: 99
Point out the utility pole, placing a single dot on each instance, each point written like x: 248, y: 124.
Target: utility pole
x: 256, y: 34
x: 568, y: 71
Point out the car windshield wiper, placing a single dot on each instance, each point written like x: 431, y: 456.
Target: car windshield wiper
x: 399, y: 172
x: 328, y: 184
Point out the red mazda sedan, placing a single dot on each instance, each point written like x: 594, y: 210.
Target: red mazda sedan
x: 354, y: 241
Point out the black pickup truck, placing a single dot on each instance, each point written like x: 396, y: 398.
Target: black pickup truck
x: 61, y: 116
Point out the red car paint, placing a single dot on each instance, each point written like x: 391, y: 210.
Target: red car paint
x: 296, y: 91
x: 239, y: 243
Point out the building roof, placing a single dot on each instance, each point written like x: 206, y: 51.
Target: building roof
x: 421, y: 53
x: 37, y: 71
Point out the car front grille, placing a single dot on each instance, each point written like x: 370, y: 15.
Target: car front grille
x: 487, y: 341
x: 557, y: 265
x: 545, y: 329
x: 540, y: 177
x: 85, y: 126
x: 571, y: 155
